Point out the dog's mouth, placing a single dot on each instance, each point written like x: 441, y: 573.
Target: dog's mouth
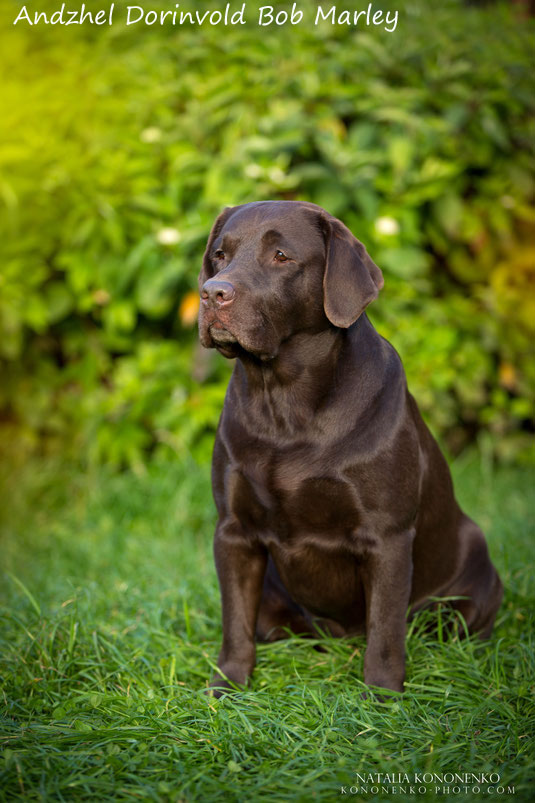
x: 224, y: 341
x: 221, y: 336
x: 230, y: 346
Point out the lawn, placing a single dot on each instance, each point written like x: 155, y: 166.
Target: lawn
x: 110, y: 629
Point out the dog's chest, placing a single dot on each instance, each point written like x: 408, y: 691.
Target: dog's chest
x: 309, y: 522
x: 285, y: 497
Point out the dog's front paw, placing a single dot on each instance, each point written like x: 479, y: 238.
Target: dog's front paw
x: 382, y: 689
x: 222, y: 684
x: 218, y: 688
x: 381, y: 695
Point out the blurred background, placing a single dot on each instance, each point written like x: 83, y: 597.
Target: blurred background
x: 120, y: 145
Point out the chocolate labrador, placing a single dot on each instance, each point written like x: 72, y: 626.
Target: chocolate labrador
x: 336, y: 506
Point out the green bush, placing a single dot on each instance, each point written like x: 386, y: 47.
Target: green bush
x: 119, y: 146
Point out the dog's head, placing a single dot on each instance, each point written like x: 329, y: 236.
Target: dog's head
x: 275, y: 268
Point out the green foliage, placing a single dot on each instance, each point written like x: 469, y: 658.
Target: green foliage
x: 111, y: 630
x: 119, y: 146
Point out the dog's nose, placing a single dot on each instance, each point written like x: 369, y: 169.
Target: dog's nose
x: 217, y: 292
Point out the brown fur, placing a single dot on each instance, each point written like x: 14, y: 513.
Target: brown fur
x: 336, y: 506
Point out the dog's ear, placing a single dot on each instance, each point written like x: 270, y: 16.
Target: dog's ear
x: 351, y: 279
x: 207, y: 270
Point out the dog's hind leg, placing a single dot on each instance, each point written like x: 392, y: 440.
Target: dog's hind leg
x: 478, y: 581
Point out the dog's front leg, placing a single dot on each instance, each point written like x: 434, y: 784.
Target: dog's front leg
x: 241, y: 565
x: 387, y: 583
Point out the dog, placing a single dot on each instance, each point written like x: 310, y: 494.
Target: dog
x: 336, y: 510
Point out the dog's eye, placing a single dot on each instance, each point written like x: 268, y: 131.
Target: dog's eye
x: 280, y: 256
x: 219, y: 254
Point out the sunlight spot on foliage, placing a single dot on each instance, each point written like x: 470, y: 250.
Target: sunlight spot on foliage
x: 168, y: 236
x: 386, y: 225
x: 151, y: 134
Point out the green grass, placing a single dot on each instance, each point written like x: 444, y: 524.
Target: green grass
x: 110, y: 629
